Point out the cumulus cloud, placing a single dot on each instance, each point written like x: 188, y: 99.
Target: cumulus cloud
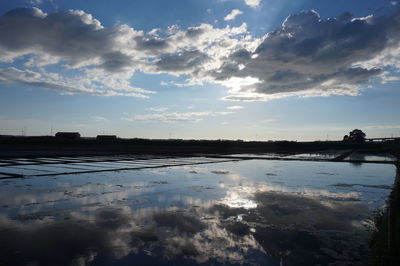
x: 310, y: 56
x: 106, y: 57
x: 72, y: 36
x: 234, y: 13
x: 307, y: 56
x: 175, y: 117
x: 78, y: 39
x: 252, y: 3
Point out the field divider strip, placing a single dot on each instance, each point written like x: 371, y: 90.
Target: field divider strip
x: 303, y: 160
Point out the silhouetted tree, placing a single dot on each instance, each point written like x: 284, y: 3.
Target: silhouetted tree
x: 356, y: 136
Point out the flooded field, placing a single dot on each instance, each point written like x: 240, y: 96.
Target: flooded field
x: 371, y: 157
x: 188, y: 211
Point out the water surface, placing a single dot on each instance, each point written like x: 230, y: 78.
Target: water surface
x: 251, y: 212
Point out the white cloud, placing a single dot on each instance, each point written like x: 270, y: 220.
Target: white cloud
x: 91, y: 84
x: 157, y: 109
x: 387, y: 77
x: 99, y: 118
x: 35, y: 2
x: 266, y: 121
x: 235, y: 107
x: 252, y: 3
x: 234, y: 13
x: 175, y: 117
x: 383, y: 127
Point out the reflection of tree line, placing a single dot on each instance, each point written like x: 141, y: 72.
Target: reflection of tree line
x: 354, y: 157
x: 294, y: 228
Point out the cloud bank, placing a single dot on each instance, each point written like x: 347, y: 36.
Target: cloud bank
x: 306, y: 56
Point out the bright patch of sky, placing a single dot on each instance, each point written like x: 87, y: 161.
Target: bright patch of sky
x: 215, y: 69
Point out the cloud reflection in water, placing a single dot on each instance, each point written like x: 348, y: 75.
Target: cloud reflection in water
x: 231, y: 218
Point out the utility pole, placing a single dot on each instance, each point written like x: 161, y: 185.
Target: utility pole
x: 23, y: 131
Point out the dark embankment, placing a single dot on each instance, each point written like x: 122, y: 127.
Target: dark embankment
x: 47, y: 146
x: 385, y: 241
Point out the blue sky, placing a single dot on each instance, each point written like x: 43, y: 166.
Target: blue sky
x: 212, y: 69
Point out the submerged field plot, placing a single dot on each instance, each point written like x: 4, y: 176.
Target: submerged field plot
x: 146, y: 210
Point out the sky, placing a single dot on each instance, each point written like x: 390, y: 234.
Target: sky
x: 210, y: 69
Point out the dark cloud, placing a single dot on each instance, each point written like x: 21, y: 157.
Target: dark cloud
x: 185, y: 61
x: 184, y: 223
x: 116, y: 61
x: 193, y: 32
x: 153, y: 44
x: 73, y: 36
x: 59, y: 243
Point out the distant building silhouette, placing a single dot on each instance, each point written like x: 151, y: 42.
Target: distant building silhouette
x: 106, y: 137
x: 68, y: 135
